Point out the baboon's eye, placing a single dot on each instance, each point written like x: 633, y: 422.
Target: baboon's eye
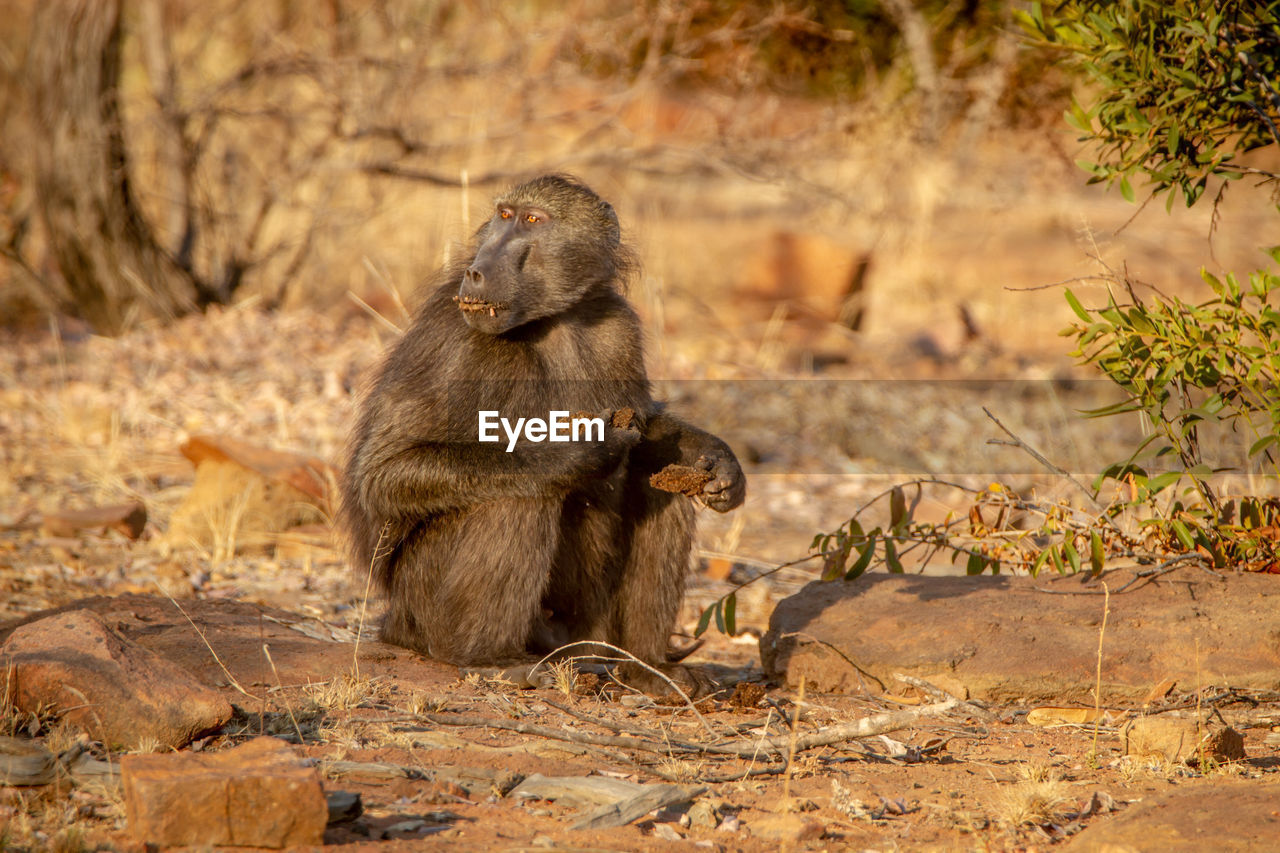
x: 505, y: 214
x: 531, y: 218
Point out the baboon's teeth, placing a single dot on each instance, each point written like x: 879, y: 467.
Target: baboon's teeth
x: 472, y: 304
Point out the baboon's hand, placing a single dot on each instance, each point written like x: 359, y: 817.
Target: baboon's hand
x: 728, y: 485
x: 617, y: 441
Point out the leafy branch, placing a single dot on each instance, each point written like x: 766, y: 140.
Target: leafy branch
x: 1183, y: 88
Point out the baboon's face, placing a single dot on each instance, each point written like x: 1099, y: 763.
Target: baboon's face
x: 501, y: 288
x: 549, y: 242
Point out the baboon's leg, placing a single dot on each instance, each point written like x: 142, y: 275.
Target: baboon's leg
x: 470, y: 590
x: 585, y: 572
x: 653, y: 577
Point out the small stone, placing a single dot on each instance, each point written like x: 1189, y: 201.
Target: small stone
x: 702, y: 814
x: 112, y: 688
x: 260, y: 794
x: 344, y: 806
x: 667, y: 832
x: 1182, y: 738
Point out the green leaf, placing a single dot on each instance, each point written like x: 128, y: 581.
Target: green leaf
x: 1096, y: 552
x: 719, y: 608
x: 1162, y: 481
x: 975, y: 564
x: 1072, y: 555
x: 1263, y: 443
x: 730, y: 614
x: 1184, y: 535
x: 1076, y: 306
x: 1039, y: 562
x: 865, y: 555
x: 1078, y: 118
x: 891, y: 560
x: 1126, y: 190
x: 704, y: 621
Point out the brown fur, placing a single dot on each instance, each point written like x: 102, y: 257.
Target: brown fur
x: 484, y: 555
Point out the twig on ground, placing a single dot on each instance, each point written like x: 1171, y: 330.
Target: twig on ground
x: 664, y: 747
x: 777, y: 744
x: 599, y: 721
x: 939, y: 695
x: 633, y: 659
x: 866, y: 727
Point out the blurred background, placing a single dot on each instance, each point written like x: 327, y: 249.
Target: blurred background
x: 215, y: 214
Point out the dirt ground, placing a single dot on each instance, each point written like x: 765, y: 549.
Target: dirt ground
x: 974, y: 778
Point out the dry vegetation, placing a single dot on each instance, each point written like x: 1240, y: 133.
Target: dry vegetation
x: 296, y: 159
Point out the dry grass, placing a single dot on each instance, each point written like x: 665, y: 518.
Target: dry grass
x: 42, y: 820
x: 1033, y: 803
x: 347, y: 691
x: 564, y: 676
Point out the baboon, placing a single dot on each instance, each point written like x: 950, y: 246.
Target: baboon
x: 487, y: 554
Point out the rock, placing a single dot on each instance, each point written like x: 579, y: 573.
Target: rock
x: 576, y: 791
x: 1180, y: 737
x: 259, y: 794
x: 1002, y: 640
x: 1226, y: 815
x: 244, y: 495
x: 650, y: 798
x: 130, y: 519
x: 787, y: 827
x: 112, y: 688
x: 237, y: 631
x: 344, y: 806
x: 703, y: 814
x: 667, y: 832
x: 817, y: 277
x: 311, y: 476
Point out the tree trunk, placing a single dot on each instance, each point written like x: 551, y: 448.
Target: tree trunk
x: 115, y: 271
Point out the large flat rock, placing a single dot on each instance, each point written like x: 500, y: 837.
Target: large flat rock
x: 236, y: 632
x: 1004, y: 639
x: 116, y: 690
x: 1217, y: 815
